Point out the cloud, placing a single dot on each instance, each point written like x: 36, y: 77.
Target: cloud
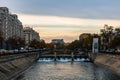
x: 67, y: 36
x: 65, y: 18
x: 89, y: 9
x: 50, y: 27
x: 64, y: 21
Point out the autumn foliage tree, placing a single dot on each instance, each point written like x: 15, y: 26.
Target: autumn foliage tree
x: 15, y: 43
x: 106, y: 34
x: 1, y: 39
x: 84, y: 44
x: 115, y: 43
x: 37, y: 44
x: 74, y: 45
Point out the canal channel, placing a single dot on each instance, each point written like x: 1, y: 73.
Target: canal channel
x: 67, y: 70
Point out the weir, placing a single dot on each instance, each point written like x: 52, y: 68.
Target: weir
x: 63, y: 57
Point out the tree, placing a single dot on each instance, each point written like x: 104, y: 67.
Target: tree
x: 50, y: 45
x: 1, y: 39
x: 37, y: 44
x: 117, y: 30
x: 106, y: 34
x: 1, y: 35
x: 83, y: 44
x: 106, y: 31
x: 115, y: 42
x: 34, y: 43
x: 42, y: 44
x: 15, y: 42
x: 11, y: 42
x: 87, y: 43
x: 20, y: 42
x: 74, y: 45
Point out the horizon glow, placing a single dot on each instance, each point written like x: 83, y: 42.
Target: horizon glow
x: 50, y: 27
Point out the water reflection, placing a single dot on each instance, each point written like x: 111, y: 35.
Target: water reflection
x: 67, y: 71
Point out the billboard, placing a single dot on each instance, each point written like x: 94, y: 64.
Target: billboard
x: 95, y: 45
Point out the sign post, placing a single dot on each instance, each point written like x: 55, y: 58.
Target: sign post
x: 95, y: 45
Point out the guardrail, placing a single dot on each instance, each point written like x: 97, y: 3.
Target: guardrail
x: 113, y: 53
x: 18, y: 52
x: 10, y: 57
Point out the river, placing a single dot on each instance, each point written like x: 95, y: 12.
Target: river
x: 67, y: 71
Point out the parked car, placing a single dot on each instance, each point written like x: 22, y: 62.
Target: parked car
x: 117, y: 50
x: 15, y: 50
x: 2, y: 51
x: 10, y: 51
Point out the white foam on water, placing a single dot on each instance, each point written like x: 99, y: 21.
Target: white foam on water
x: 62, y: 60
x: 82, y: 59
x: 45, y: 60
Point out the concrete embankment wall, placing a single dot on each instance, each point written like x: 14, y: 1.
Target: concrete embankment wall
x: 12, y: 68
x: 110, y: 61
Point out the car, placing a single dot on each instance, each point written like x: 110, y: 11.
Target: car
x: 15, y: 50
x: 117, y: 51
x: 10, y: 51
x: 2, y: 51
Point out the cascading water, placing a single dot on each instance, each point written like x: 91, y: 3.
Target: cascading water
x: 62, y: 59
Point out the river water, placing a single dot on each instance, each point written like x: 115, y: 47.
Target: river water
x: 61, y: 70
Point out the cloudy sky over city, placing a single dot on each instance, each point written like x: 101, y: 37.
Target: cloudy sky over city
x: 65, y: 18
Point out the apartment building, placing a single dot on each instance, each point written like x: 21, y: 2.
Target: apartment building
x: 10, y: 25
x: 30, y: 35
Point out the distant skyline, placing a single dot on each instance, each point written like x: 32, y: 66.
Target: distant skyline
x: 65, y: 19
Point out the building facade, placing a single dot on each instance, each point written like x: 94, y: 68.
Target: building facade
x: 30, y: 34
x: 58, y: 41
x: 10, y: 25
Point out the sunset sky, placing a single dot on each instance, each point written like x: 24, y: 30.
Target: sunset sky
x: 65, y: 19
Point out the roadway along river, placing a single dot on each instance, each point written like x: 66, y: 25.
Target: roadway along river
x: 67, y: 71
